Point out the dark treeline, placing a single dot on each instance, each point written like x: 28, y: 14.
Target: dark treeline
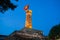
x: 55, y: 32
x: 6, y: 4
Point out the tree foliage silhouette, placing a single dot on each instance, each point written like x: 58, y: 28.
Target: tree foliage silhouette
x: 55, y: 32
x: 6, y: 4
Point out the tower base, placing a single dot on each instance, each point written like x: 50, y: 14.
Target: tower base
x: 26, y: 34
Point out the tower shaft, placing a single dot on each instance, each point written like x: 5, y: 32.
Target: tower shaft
x: 28, y: 22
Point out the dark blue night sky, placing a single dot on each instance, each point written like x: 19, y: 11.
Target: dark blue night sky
x: 45, y: 14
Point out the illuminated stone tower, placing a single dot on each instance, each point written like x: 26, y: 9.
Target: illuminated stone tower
x: 27, y: 33
x: 28, y: 22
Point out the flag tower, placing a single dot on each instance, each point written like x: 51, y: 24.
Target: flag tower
x: 28, y: 22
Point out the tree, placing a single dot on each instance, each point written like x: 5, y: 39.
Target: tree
x: 55, y: 32
x: 6, y: 4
